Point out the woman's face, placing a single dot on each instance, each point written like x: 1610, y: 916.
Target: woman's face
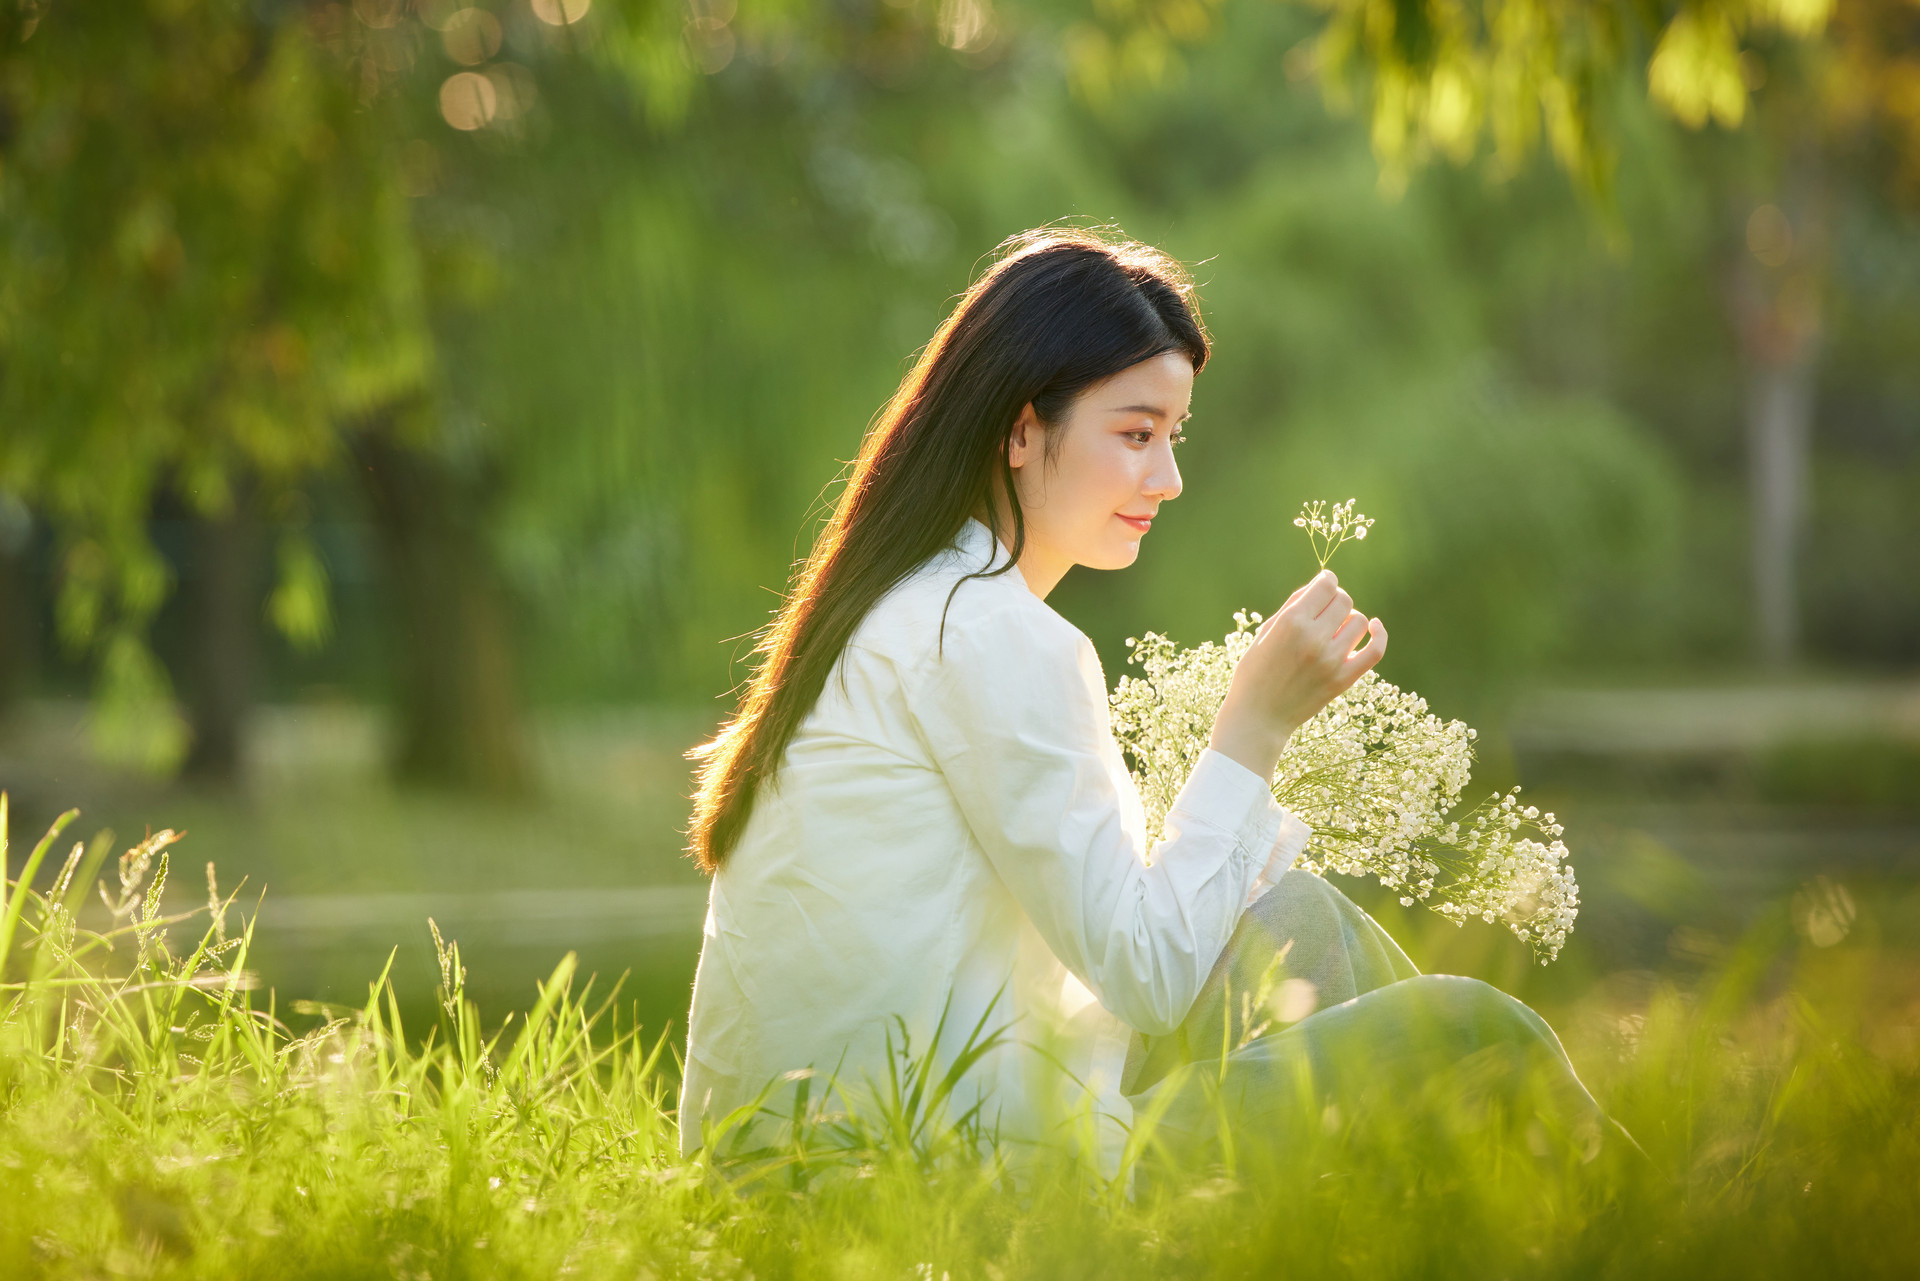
x: 1092, y: 501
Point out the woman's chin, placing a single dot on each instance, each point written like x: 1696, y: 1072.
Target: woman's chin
x: 1115, y: 555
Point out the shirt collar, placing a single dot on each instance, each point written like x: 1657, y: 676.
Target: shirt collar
x: 979, y: 550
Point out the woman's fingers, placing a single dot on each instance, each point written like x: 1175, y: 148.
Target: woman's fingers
x: 1298, y: 592
x: 1312, y: 600
x: 1272, y: 620
x: 1362, y: 661
x: 1348, y: 634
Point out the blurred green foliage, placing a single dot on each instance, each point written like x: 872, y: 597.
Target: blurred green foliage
x: 1865, y: 773
x: 643, y: 310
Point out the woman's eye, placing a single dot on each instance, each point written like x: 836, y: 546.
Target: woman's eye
x: 1178, y: 438
x: 1144, y: 436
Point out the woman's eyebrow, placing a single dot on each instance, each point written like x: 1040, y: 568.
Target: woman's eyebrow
x: 1154, y: 410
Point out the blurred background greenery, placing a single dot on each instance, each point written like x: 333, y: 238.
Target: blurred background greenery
x: 410, y: 408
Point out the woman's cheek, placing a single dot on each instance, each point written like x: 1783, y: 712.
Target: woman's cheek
x: 1117, y: 471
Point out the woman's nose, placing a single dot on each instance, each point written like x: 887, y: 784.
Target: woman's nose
x: 1163, y: 482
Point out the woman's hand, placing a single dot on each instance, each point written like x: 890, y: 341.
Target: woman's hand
x: 1302, y: 658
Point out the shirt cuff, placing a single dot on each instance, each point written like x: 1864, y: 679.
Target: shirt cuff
x: 1287, y: 848
x: 1225, y: 794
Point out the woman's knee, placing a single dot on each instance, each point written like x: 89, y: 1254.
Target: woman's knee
x: 1300, y: 906
x: 1300, y: 889
x: 1321, y: 922
x: 1447, y: 1018
x: 1459, y: 1003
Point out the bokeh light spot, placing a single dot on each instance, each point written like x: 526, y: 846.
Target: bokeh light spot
x: 966, y: 25
x: 437, y: 13
x: 1293, y: 1000
x: 1823, y: 912
x: 558, y: 13
x: 513, y: 90
x: 468, y: 100
x: 471, y: 36
x: 711, y: 43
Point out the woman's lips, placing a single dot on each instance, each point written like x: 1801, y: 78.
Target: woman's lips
x: 1141, y: 523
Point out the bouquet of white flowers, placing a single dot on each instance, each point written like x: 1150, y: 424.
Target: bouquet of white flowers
x: 1376, y: 776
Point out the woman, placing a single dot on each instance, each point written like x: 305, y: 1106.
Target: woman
x: 919, y: 825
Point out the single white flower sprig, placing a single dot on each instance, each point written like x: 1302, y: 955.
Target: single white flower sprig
x: 1326, y: 530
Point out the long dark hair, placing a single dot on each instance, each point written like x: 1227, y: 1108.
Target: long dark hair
x: 1059, y: 310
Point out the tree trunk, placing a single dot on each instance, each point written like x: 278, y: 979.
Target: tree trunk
x: 1779, y: 425
x: 1776, y: 305
x: 18, y: 630
x: 458, y: 718
x: 224, y: 597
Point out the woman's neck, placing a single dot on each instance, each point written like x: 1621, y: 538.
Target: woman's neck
x: 1040, y: 570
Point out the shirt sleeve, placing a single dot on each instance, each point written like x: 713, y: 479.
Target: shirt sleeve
x: 1287, y: 847
x: 1014, y: 711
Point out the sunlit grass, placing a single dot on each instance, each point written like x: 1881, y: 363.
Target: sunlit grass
x: 160, y: 1117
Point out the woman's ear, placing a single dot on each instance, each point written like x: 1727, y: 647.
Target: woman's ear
x: 1023, y: 442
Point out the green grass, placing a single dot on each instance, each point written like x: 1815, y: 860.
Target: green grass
x: 318, y: 816
x: 160, y: 1118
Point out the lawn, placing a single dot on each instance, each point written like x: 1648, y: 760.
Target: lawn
x: 177, y: 1105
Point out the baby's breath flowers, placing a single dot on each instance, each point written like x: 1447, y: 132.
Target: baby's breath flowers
x: 1326, y: 530
x: 1376, y: 776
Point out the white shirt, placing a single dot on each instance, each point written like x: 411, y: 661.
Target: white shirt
x: 953, y: 828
